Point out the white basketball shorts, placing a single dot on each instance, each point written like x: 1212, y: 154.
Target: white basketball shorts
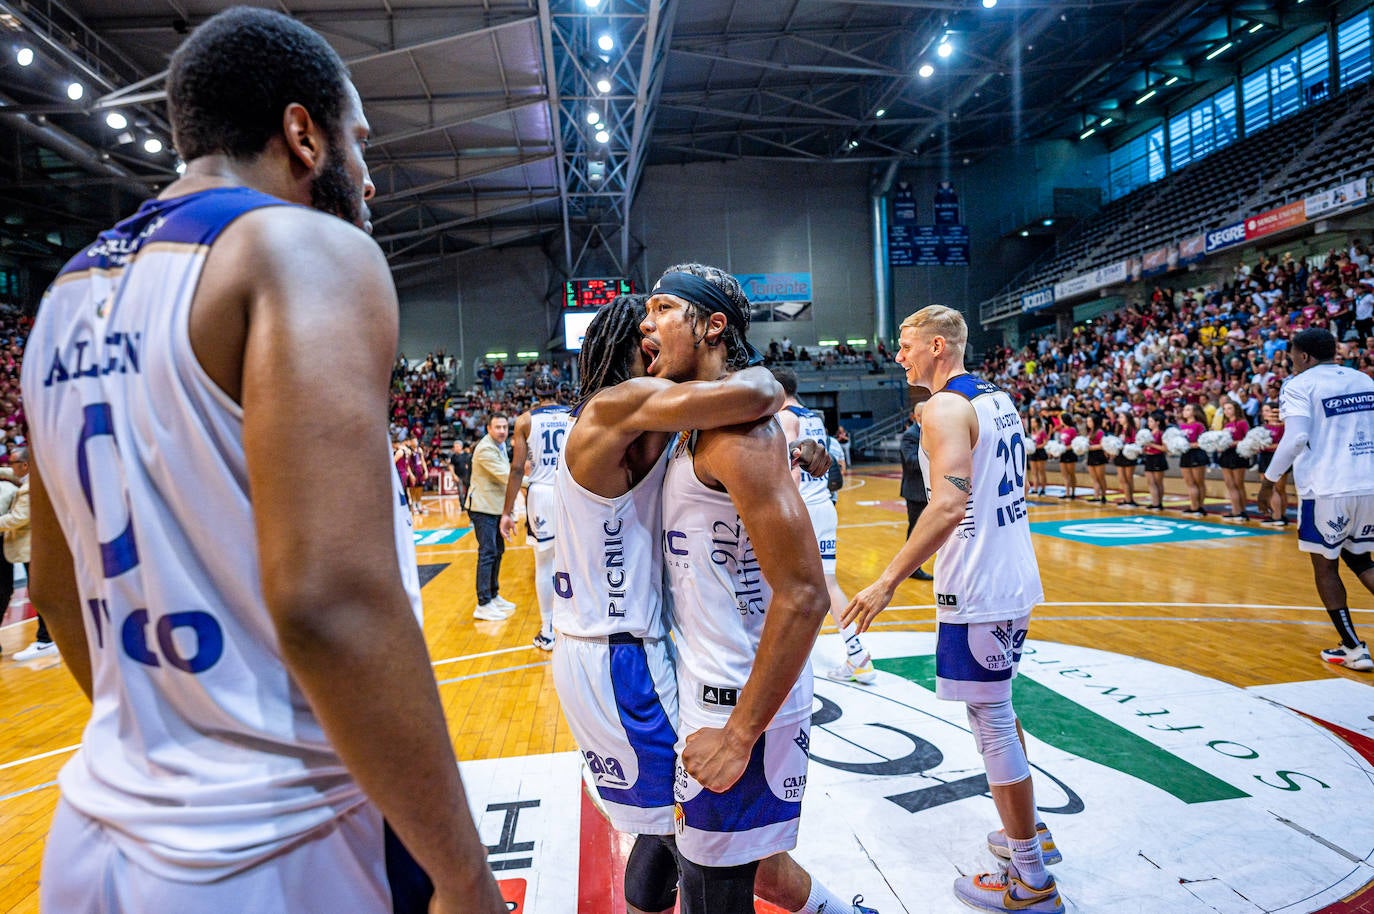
x: 758, y: 816
x: 539, y: 516
x: 1328, y: 525
x: 619, y: 696
x: 976, y: 661
x: 826, y: 523
x: 354, y: 864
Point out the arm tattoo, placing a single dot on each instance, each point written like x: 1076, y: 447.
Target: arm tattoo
x: 962, y: 483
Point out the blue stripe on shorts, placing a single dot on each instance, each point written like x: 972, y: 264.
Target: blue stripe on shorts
x: 647, y: 728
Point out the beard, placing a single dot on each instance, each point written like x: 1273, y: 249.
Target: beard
x: 332, y: 192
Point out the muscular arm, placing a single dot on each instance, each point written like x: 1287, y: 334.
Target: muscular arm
x: 1296, y: 431
x: 948, y: 432
x: 613, y: 419
x: 52, y: 585
x: 321, y: 331
x: 520, y: 448
x: 752, y: 466
x: 791, y: 428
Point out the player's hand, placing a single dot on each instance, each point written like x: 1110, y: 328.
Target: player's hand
x: 811, y: 457
x: 507, y: 527
x: 866, y: 605
x: 716, y: 758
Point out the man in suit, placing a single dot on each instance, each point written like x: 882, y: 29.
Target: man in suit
x: 913, y: 483
x: 486, y: 502
x: 14, y: 525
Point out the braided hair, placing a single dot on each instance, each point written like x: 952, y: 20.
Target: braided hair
x: 737, y: 354
x: 611, y: 342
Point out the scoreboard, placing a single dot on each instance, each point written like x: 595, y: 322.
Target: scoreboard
x: 593, y: 293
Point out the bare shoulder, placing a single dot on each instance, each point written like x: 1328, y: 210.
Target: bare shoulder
x: 946, y: 407
x: 732, y: 446
x: 295, y: 244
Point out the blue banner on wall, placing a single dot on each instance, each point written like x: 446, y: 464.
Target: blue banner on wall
x: 775, y: 287
x: 901, y: 229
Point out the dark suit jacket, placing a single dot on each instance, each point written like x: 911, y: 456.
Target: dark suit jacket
x: 913, y: 483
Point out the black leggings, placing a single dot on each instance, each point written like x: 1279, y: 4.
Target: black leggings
x: 651, y: 873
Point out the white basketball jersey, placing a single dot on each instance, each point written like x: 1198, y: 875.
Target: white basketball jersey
x: 717, y: 599
x: 549, y: 426
x: 607, y: 561
x: 986, y: 571
x: 1339, y: 404
x: 201, y: 755
x: 814, y: 489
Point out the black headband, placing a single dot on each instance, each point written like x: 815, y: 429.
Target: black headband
x: 705, y: 294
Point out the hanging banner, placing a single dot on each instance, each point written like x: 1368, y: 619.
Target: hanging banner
x: 1224, y: 237
x: 1038, y: 300
x: 901, y: 228
x: 946, y: 205
x: 1348, y: 196
x: 1089, y: 282
x: 1276, y: 220
x: 1191, y: 250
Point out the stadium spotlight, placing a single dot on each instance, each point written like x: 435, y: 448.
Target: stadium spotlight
x: 989, y: 4
x: 593, y: 4
x: 603, y: 83
x: 116, y: 121
x: 1025, y: 233
x: 152, y: 145
x: 75, y: 91
x: 593, y: 116
x: 880, y: 112
x: 853, y: 144
x: 605, y: 42
x: 603, y: 136
x: 23, y: 57
x: 1146, y: 97
x: 926, y: 71
x: 944, y: 49
x: 1047, y: 222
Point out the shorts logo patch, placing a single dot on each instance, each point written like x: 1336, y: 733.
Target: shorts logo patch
x: 679, y: 820
x: 803, y: 741
x: 946, y: 599
x: 1337, y: 523
x: 719, y: 696
x: 1003, y: 636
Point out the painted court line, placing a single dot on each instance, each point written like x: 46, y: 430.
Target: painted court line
x: 1312, y: 609
x: 504, y: 650
x: 509, y: 669
x: 42, y: 755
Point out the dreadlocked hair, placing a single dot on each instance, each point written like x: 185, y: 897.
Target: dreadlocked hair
x: 612, y: 341
x: 732, y: 337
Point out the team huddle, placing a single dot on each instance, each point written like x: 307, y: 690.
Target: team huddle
x: 688, y: 540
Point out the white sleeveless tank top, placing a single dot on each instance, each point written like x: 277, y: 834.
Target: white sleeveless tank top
x: 201, y: 756
x: 607, y: 560
x: 815, y: 490
x: 717, y: 599
x: 986, y: 571
x: 549, y: 427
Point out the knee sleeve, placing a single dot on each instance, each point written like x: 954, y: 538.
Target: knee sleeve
x: 994, y: 732
x: 1357, y: 563
x: 717, y: 889
x: 651, y: 874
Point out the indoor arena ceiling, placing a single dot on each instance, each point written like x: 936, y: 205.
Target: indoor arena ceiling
x: 478, y: 106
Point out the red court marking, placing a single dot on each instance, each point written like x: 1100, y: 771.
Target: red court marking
x: 513, y: 891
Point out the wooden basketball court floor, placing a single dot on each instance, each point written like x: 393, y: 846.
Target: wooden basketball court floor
x: 1192, y: 752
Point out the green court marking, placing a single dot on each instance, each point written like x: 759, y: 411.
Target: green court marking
x: 440, y: 537
x: 1067, y: 725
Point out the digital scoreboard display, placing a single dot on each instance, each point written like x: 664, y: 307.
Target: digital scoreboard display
x: 593, y: 293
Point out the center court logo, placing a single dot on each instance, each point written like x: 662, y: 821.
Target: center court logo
x: 1133, y: 531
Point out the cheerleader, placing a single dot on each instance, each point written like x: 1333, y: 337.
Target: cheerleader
x: 1269, y: 415
x: 1193, y: 463
x: 1065, y: 432
x: 1233, y: 465
x: 1097, y: 458
x: 1035, y: 463
x: 1156, y: 460
x: 1125, y: 467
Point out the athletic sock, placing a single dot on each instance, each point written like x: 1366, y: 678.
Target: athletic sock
x: 1030, y: 865
x: 1344, y: 627
x: 852, y: 645
x: 821, y: 901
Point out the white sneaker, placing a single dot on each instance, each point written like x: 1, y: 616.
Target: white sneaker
x: 848, y: 672
x: 503, y: 602
x: 490, y: 612
x: 38, y: 649
x: 543, y: 641
x: 1352, y: 658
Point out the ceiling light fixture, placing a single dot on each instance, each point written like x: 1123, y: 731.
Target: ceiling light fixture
x: 1146, y: 97
x: 1087, y: 133
x: 880, y: 112
x: 945, y: 48
x: 1171, y: 80
x: 1219, y: 51
x: 605, y: 42
x: 1105, y: 121
x: 181, y: 168
x: 23, y: 57
x: 152, y: 145
x: 603, y: 83
x: 989, y: 4
x: 926, y: 71
x: 853, y: 144
x: 116, y: 121
x: 1256, y: 27
x: 603, y: 136
x: 75, y: 91
x: 593, y: 116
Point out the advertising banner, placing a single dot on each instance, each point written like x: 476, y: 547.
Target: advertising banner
x: 1191, y: 250
x: 1038, y: 300
x: 1349, y: 195
x: 1220, y: 238
x: 1276, y: 220
x: 1088, y: 282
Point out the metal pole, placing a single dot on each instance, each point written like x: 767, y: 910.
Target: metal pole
x: 882, y: 272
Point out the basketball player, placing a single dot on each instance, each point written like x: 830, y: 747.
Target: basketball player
x: 538, y: 436
x: 973, y: 451
x: 1328, y: 440
x: 220, y: 545
x: 748, y: 596
x: 797, y: 423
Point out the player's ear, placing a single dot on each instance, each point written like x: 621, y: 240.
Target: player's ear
x: 715, y: 326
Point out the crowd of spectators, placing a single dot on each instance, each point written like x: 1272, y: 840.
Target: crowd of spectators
x: 839, y: 356
x: 1183, y: 352
x: 14, y: 330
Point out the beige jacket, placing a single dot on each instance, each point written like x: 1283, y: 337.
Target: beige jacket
x: 14, y: 524
x: 490, y: 471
